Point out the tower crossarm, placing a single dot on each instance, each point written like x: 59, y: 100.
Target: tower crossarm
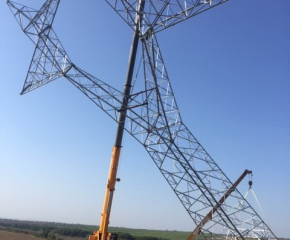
x: 33, y: 21
x: 161, y: 14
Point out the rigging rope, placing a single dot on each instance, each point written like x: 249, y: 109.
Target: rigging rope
x: 252, y: 190
x: 257, y: 201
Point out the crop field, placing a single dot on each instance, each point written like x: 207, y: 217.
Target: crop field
x: 4, y: 235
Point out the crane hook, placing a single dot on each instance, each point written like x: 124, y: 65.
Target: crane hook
x: 250, y: 181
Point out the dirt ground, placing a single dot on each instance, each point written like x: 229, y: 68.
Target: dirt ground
x: 16, y: 236
x: 4, y: 235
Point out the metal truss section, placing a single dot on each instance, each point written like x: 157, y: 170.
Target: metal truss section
x: 34, y: 22
x: 193, y: 175
x: 160, y: 14
x: 49, y: 60
x: 48, y: 63
x: 153, y: 119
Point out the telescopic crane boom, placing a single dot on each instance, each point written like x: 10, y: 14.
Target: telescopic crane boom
x: 103, y: 234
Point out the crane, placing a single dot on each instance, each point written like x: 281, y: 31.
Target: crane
x: 103, y: 234
x: 208, y: 217
x: 150, y: 115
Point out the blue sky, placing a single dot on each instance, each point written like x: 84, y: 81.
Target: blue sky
x: 230, y: 71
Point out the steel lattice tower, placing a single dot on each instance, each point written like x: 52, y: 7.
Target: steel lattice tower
x: 152, y: 115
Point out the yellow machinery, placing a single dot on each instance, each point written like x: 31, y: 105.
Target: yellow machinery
x: 103, y: 234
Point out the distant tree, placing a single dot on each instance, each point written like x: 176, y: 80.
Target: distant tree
x: 126, y: 236
x: 44, y: 233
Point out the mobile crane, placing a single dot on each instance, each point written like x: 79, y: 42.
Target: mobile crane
x: 102, y: 233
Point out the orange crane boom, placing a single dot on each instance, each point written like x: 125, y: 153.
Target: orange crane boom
x: 103, y: 234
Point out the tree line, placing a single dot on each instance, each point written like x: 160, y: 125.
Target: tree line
x: 54, y: 231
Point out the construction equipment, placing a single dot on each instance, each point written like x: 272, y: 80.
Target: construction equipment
x: 103, y: 234
x: 208, y: 217
x: 151, y: 115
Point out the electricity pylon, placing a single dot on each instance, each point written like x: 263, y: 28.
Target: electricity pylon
x: 152, y: 115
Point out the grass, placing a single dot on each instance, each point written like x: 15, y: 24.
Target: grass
x: 32, y: 227
x: 171, y: 235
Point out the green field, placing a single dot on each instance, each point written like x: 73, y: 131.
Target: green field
x: 171, y: 235
x: 48, y: 230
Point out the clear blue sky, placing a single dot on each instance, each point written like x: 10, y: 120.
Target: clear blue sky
x: 230, y: 71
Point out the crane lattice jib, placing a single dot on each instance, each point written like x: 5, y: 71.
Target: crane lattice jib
x: 153, y: 118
